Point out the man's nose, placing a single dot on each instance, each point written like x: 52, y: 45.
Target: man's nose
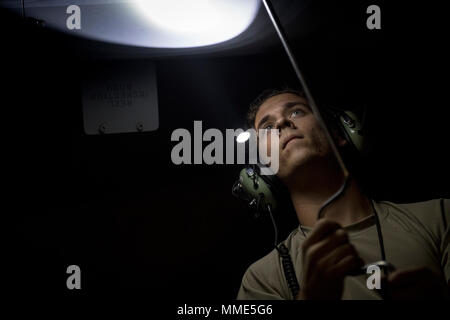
x: 283, y: 123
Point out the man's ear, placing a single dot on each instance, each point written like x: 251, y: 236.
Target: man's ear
x: 340, y: 140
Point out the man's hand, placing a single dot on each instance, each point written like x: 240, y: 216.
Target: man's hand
x: 328, y: 257
x: 414, y: 283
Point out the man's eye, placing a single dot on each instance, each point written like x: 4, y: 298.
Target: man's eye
x: 268, y: 127
x: 297, y: 112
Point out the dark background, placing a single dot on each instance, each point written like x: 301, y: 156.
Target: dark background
x: 134, y: 222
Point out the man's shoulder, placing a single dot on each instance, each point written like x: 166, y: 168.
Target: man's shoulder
x: 270, y: 263
x: 265, y: 265
x: 419, y: 209
x: 432, y: 215
x: 264, y: 278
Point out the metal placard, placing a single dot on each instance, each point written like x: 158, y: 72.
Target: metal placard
x: 120, y: 97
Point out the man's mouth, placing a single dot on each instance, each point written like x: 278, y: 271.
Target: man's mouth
x: 289, y: 139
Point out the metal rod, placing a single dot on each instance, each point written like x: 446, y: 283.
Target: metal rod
x: 281, y: 34
x: 279, y: 29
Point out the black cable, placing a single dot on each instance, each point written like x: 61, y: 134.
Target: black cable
x: 334, y: 196
x: 286, y: 261
x: 380, y: 235
x: 289, y: 271
x: 274, y: 224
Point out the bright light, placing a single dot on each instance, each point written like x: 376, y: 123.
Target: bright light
x: 242, y: 137
x: 191, y: 23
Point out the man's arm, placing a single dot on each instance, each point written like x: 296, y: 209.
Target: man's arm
x: 256, y: 287
x: 422, y: 282
x: 327, y: 258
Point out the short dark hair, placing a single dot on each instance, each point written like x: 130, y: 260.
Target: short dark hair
x: 266, y: 94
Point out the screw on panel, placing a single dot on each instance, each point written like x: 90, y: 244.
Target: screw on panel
x: 102, y: 128
x: 140, y: 127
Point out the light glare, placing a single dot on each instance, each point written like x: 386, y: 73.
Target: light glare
x: 199, y: 22
x: 242, y: 137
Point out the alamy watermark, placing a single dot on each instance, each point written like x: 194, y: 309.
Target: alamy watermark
x: 73, y: 20
x: 374, y: 280
x: 256, y: 150
x: 74, y: 279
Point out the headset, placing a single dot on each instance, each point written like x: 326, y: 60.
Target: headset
x: 263, y: 190
x: 264, y: 193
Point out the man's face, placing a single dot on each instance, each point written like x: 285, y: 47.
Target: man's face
x: 301, y: 138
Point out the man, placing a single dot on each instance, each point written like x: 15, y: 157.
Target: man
x: 416, y: 235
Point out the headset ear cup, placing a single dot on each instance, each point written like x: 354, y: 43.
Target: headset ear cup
x: 271, y: 180
x: 256, y: 187
x: 279, y: 191
x: 353, y: 130
x: 285, y: 213
x: 350, y: 128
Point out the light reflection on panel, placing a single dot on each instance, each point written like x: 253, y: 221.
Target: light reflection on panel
x: 147, y: 23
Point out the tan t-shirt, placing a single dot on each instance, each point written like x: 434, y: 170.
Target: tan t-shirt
x: 414, y: 234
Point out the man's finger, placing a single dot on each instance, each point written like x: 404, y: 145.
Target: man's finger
x: 325, y: 246
x: 341, y: 260
x: 346, y: 265
x: 401, y: 277
x: 322, y: 229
